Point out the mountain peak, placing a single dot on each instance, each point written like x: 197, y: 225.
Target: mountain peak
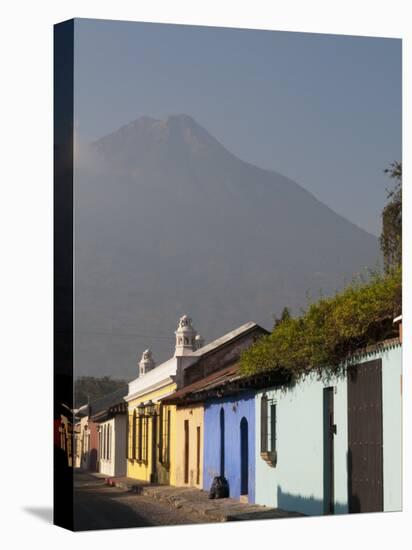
x: 182, y: 119
x: 175, y: 131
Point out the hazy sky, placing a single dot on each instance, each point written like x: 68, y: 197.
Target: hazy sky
x: 324, y: 110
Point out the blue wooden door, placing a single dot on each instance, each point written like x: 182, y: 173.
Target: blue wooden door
x: 244, y: 457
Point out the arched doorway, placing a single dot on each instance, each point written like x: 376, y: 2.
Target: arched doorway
x: 222, y: 442
x: 244, y: 457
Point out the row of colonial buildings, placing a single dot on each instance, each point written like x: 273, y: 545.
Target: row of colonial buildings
x: 313, y: 446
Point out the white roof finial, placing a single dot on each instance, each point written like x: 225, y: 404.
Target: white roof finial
x: 185, y: 337
x: 200, y: 341
x: 146, y: 362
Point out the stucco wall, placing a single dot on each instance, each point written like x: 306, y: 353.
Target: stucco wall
x: 392, y: 429
x: 296, y: 482
x: 194, y: 415
x: 142, y: 470
x: 94, y: 446
x: 235, y: 408
x: 120, y: 422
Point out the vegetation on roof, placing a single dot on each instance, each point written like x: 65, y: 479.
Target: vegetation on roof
x: 331, y: 329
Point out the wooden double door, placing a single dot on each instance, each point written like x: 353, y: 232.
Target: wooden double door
x: 365, y: 437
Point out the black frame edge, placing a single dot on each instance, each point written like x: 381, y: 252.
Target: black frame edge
x: 63, y: 402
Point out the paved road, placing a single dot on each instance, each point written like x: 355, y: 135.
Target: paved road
x: 100, y: 507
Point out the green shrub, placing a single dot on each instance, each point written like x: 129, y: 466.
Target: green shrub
x: 330, y: 330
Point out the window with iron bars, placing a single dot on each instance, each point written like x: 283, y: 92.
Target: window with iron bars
x: 131, y: 433
x: 145, y: 439
x: 140, y: 439
x: 100, y: 443
x: 267, y: 425
x: 104, y: 442
x: 109, y: 441
x: 164, y: 435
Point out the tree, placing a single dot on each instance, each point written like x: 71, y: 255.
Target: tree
x: 284, y: 316
x: 391, y: 236
x: 89, y: 388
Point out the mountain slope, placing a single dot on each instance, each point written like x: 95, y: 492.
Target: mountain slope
x: 168, y: 221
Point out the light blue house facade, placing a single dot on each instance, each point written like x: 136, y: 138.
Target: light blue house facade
x: 313, y: 439
x: 229, y: 443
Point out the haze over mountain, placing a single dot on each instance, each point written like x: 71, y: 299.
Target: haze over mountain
x: 167, y: 221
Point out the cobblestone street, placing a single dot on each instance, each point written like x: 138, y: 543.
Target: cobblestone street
x: 98, y: 506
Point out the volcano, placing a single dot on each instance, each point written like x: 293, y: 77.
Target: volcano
x: 168, y: 221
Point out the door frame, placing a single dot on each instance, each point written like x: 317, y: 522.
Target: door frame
x: 153, y: 475
x: 186, y: 452
x: 329, y: 431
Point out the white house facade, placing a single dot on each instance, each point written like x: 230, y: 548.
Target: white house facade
x: 109, y: 414
x: 112, y: 446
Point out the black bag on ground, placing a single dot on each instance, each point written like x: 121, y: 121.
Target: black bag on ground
x: 219, y: 488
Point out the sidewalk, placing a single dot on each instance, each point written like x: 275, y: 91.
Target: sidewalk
x: 196, y: 501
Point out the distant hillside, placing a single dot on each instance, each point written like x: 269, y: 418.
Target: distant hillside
x: 170, y: 222
x: 90, y: 388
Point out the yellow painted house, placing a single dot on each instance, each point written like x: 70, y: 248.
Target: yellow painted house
x: 188, y: 466
x: 151, y: 431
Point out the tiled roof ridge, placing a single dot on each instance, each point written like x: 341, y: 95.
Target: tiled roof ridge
x: 229, y: 336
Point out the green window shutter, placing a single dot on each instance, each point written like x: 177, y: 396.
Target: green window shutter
x: 264, y: 424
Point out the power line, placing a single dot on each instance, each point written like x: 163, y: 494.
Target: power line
x: 135, y: 335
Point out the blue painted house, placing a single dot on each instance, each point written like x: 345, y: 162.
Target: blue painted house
x: 228, y: 399
x: 229, y: 443
x: 225, y: 432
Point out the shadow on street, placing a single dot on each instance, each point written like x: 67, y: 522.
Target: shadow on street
x: 97, y: 506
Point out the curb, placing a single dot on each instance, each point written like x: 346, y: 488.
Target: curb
x: 182, y: 504
x: 172, y: 500
x: 201, y: 509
